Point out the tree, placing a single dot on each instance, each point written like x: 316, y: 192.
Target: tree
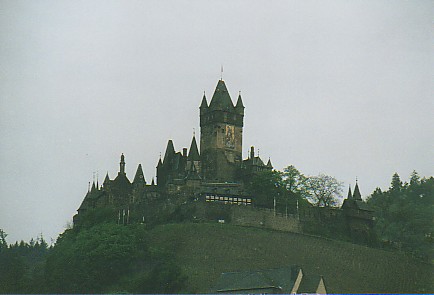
x: 396, y: 183
x: 403, y: 215
x: 294, y: 181
x: 324, y: 190
x: 3, y: 243
x: 414, y: 178
x: 265, y: 187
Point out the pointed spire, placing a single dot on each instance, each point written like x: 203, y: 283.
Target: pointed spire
x: 204, y: 104
x: 269, y: 163
x: 349, y: 192
x: 221, y: 99
x: 240, y: 106
x: 106, y: 179
x: 193, y: 154
x: 357, y: 195
x: 170, y: 151
x: 122, y: 165
x: 139, y: 177
x: 152, y: 182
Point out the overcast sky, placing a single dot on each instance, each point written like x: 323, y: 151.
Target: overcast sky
x: 337, y: 87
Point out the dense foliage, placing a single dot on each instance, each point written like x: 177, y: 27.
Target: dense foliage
x: 103, y: 258
x: 404, y: 215
x: 22, y: 265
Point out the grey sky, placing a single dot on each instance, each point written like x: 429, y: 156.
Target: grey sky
x: 339, y: 87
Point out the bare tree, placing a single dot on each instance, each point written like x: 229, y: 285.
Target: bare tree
x: 324, y: 190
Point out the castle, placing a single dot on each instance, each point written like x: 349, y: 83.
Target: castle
x: 216, y: 170
x: 215, y: 173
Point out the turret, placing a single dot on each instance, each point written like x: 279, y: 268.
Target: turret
x: 239, y: 107
x: 193, y: 154
x: 122, y: 165
x: 349, y: 196
x: 170, y: 151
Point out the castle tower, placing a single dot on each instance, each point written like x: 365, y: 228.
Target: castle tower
x: 221, y: 136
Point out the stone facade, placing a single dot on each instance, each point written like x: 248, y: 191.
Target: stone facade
x: 218, y: 167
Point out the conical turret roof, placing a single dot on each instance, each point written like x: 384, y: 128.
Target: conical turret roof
x: 349, y: 193
x: 357, y: 195
x: 239, y: 102
x: 204, y: 103
x: 170, y: 151
x: 269, y: 163
x: 221, y: 99
x: 193, y: 154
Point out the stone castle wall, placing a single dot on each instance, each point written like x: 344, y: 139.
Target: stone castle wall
x: 246, y: 215
x: 264, y: 218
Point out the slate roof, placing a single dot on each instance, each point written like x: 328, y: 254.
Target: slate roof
x: 255, y: 161
x: 170, y: 151
x: 280, y: 279
x: 193, y: 154
x: 204, y: 103
x: 139, y: 177
x: 221, y: 99
x: 309, y: 284
x: 356, y: 194
x: 239, y: 103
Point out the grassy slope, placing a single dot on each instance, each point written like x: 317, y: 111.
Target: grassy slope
x: 206, y: 250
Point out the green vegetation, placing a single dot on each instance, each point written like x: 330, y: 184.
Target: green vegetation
x: 285, y: 188
x: 22, y: 265
x: 169, y: 254
x: 404, y: 215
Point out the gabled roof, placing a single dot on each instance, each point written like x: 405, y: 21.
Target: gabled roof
x: 221, y: 99
x: 255, y: 161
x: 280, y: 279
x: 310, y: 284
x: 269, y: 163
x: 193, y: 154
x: 139, y: 177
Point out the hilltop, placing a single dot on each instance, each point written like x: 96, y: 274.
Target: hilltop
x: 205, y: 250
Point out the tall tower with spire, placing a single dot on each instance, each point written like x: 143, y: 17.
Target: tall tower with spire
x: 221, y: 136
